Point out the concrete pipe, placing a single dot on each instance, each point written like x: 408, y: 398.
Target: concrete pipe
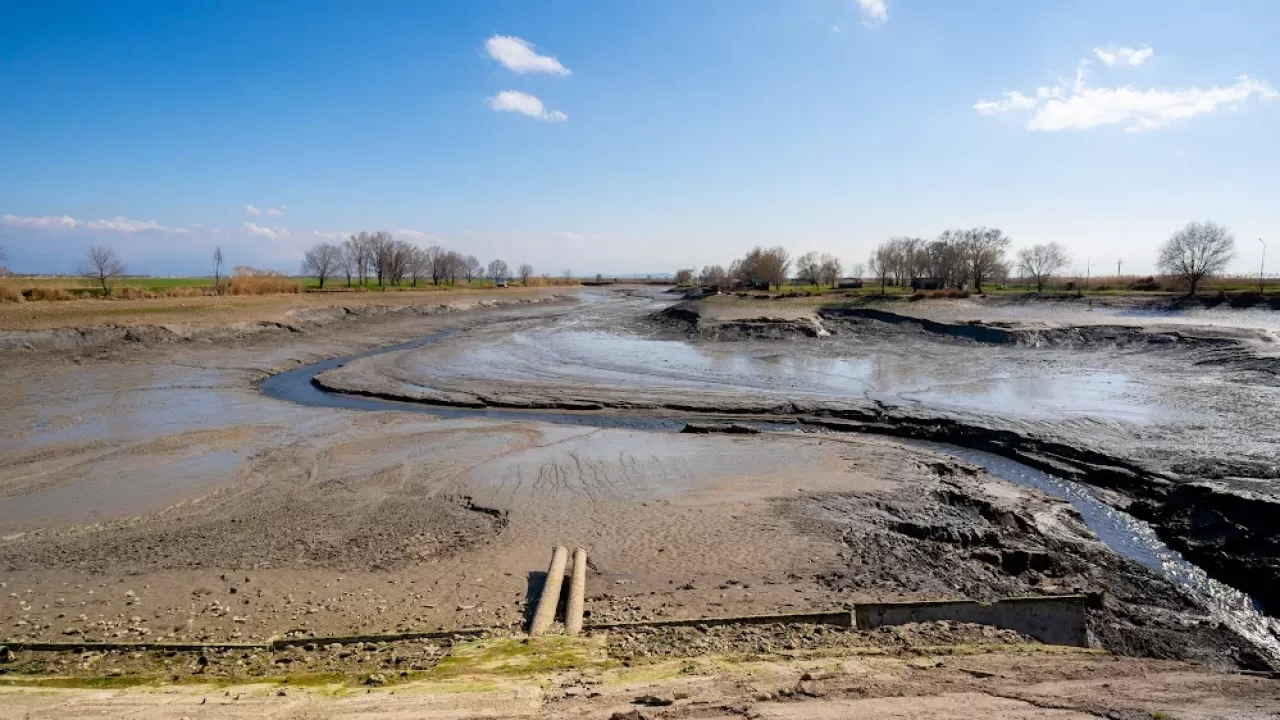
x: 545, y: 614
x: 577, y: 592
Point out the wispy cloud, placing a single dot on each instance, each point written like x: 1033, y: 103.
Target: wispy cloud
x: 270, y: 232
x: 416, y: 235
x: 47, y: 221
x: 525, y: 104
x: 252, y: 210
x: 518, y: 55
x: 66, y: 222
x: 874, y: 12
x: 1132, y: 57
x: 275, y: 212
x: 1074, y: 105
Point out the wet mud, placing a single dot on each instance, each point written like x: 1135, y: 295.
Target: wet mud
x: 508, y: 430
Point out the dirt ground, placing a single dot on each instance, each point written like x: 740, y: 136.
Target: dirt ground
x: 973, y: 683
x: 149, y: 491
x: 213, y: 311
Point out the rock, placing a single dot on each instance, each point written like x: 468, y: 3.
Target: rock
x: 654, y: 700
x: 725, y: 428
x: 629, y: 715
x: 6, y: 655
x: 375, y: 680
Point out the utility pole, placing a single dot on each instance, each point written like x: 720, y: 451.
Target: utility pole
x: 1087, y: 261
x: 1118, y: 267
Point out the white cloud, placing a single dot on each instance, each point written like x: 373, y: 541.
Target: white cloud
x: 516, y: 101
x: 47, y: 221
x: 415, y: 234
x: 1124, y: 55
x: 275, y: 212
x: 518, y: 55
x: 252, y: 210
x: 66, y: 222
x: 874, y: 12
x: 1076, y: 106
x: 329, y: 235
x: 1012, y: 101
x: 271, y: 232
x: 569, y: 235
x: 127, y: 225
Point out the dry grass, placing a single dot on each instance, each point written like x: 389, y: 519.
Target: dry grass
x: 257, y: 285
x: 49, y: 292
x: 218, y: 310
x: 10, y: 293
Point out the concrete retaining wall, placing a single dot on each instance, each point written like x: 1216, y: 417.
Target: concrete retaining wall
x: 1059, y: 620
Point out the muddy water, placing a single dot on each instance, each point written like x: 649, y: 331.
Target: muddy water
x: 587, y: 352
x: 635, y: 361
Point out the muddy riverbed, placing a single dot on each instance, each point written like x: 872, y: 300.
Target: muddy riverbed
x: 156, y: 492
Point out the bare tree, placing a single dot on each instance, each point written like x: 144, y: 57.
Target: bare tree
x: 713, y: 276
x: 103, y: 265
x: 829, y: 269
x: 217, y: 268
x: 809, y: 268
x: 881, y: 264
x: 1041, y: 262
x: 857, y: 270
x: 4, y: 255
x: 984, y: 249
x: 419, y: 265
x: 360, y: 255
x: 348, y: 263
x: 471, y: 268
x: 1197, y: 251
x: 498, y: 270
x: 322, y: 261
x: 454, y: 266
x: 525, y: 271
x: 684, y: 276
x: 568, y: 275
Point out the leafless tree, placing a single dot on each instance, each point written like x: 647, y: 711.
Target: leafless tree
x: 525, y: 271
x: 1197, y: 251
x: 857, y: 270
x: 454, y: 266
x: 498, y: 270
x: 4, y: 255
x: 1041, y: 262
x: 984, y: 249
x: 419, y: 265
x: 568, y: 275
x: 713, y: 276
x: 322, y: 261
x: 881, y: 264
x: 471, y: 268
x: 103, y: 265
x: 360, y: 254
x: 684, y: 276
x: 829, y: 269
x: 348, y: 264
x: 217, y: 268
x: 809, y: 268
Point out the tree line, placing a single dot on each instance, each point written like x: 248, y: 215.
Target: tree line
x: 963, y: 258
x: 378, y: 256
x: 958, y: 258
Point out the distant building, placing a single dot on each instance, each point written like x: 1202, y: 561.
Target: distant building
x: 927, y: 284
x: 849, y: 284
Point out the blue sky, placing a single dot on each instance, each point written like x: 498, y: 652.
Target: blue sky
x: 631, y: 136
